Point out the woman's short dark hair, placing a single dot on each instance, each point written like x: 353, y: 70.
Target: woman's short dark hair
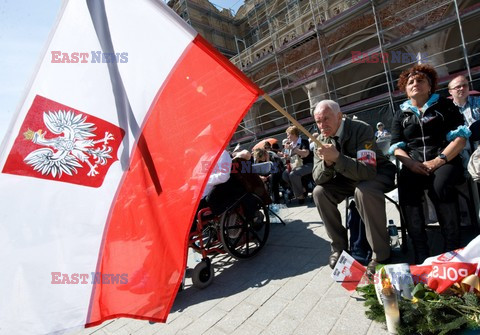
x: 423, y: 71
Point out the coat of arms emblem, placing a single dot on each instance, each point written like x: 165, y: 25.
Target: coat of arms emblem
x: 60, y: 143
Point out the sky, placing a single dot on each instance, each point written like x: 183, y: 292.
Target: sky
x: 24, y: 29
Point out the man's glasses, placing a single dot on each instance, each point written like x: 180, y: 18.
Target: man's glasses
x: 459, y: 87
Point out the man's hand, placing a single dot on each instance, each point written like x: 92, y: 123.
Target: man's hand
x: 329, y: 153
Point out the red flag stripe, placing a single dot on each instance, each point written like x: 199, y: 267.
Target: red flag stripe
x: 196, y: 110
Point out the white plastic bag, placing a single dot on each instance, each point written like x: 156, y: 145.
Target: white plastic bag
x: 474, y: 165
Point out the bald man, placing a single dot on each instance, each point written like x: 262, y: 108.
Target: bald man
x: 469, y: 106
x: 350, y: 164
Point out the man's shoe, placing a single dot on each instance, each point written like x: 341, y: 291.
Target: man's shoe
x: 332, y: 260
x: 372, y: 266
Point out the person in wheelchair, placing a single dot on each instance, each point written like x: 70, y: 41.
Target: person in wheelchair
x: 233, y: 216
x: 220, y: 174
x: 241, y: 181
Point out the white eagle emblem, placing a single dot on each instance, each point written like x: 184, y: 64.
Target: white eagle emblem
x: 67, y: 152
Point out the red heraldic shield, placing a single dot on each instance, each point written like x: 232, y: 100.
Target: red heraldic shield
x: 60, y: 143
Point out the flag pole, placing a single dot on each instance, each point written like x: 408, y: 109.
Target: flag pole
x: 288, y: 116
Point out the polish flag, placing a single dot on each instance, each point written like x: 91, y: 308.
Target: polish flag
x: 348, y: 272
x: 104, y: 164
x: 442, y: 271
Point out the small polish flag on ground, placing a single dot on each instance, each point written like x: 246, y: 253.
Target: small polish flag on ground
x: 348, y: 272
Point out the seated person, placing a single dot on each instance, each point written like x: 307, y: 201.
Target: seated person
x: 381, y: 131
x: 274, y: 176
x: 276, y: 150
x: 469, y: 106
x: 301, y: 148
x: 349, y: 163
x: 267, y: 146
x: 220, y: 173
x: 241, y: 180
x: 428, y: 133
x: 383, y: 137
x: 249, y: 181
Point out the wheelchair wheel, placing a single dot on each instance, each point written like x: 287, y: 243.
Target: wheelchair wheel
x: 244, y: 237
x: 202, y: 274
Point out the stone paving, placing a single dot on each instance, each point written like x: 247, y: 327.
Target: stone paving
x: 286, y: 289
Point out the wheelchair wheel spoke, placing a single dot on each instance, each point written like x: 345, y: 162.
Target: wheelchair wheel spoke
x: 243, y: 238
x: 235, y: 242
x: 255, y: 235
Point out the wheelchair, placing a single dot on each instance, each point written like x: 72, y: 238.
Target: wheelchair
x: 241, y: 231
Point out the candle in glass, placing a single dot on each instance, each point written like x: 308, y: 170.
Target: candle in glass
x: 392, y: 313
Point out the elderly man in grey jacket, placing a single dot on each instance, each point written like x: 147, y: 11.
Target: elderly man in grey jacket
x: 349, y: 163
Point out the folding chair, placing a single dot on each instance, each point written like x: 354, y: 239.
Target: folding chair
x: 403, y: 229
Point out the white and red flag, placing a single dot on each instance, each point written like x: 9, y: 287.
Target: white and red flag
x: 348, y: 272
x: 442, y: 271
x: 103, y: 167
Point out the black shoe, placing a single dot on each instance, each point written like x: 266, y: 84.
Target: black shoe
x: 301, y: 202
x: 332, y: 260
x: 372, y: 266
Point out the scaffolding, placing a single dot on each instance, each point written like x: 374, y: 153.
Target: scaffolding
x: 303, y: 51
x: 215, y: 24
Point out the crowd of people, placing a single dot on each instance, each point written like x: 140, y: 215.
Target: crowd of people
x: 429, y: 136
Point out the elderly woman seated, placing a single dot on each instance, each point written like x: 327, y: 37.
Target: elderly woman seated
x: 300, y: 150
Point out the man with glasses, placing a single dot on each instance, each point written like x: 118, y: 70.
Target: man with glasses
x: 468, y: 105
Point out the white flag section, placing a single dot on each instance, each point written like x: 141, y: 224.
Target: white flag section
x: 97, y: 172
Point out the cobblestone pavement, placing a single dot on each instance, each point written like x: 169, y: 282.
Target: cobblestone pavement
x: 286, y: 289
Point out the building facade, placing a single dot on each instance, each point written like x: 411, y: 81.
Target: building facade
x: 303, y: 51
